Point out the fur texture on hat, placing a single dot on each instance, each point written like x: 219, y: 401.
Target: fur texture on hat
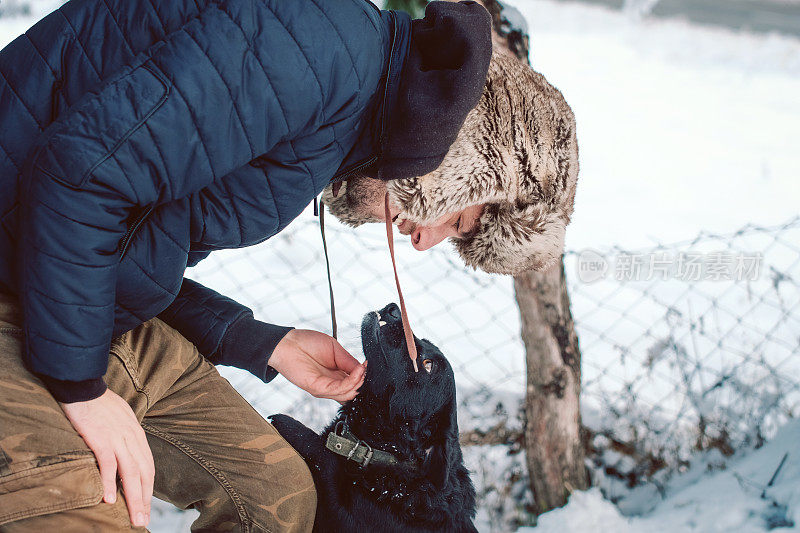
x: 517, y: 152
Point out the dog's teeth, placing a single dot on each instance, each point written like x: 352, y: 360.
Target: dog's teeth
x: 381, y: 322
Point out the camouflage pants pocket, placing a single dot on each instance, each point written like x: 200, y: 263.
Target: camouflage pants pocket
x: 45, y: 467
x: 71, y: 481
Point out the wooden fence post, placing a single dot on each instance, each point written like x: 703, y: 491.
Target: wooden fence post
x: 553, y: 444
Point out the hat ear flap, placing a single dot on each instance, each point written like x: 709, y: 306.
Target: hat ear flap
x: 513, y: 239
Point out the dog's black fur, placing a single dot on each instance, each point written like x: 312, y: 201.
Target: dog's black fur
x: 411, y: 415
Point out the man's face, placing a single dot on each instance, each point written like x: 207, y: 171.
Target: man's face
x: 367, y: 195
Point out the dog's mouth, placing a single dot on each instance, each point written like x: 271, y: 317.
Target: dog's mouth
x: 382, y: 337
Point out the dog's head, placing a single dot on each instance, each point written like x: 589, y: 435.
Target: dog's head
x: 423, y: 396
x: 411, y: 413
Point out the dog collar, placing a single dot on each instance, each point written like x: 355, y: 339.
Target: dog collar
x: 342, y: 442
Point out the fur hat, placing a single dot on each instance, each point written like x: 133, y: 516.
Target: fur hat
x: 516, y: 152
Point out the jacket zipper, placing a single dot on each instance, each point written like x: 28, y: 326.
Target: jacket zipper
x: 352, y: 170
x: 126, y: 239
x: 384, y: 112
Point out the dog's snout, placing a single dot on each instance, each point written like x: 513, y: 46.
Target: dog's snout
x: 391, y: 312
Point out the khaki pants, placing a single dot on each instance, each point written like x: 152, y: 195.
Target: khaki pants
x: 212, y: 450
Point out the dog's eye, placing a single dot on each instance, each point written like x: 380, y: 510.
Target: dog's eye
x: 428, y: 364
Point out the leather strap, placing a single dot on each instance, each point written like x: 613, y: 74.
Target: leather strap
x: 412, y: 346
x: 409, y: 335
x: 327, y: 264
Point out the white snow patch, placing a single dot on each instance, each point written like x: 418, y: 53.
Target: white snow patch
x: 711, y: 497
x: 587, y: 512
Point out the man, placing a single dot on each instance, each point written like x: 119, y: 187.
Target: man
x: 137, y: 138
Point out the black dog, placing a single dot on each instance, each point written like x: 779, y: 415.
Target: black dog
x: 390, y: 461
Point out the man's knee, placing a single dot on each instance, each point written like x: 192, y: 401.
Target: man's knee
x: 258, y: 485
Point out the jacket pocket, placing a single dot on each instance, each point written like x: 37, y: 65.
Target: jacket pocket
x: 97, y: 125
x: 133, y: 225
x: 71, y: 483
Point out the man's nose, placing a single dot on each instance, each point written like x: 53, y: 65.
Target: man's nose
x: 424, y: 238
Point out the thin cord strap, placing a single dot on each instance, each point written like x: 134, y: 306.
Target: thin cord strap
x: 327, y: 265
x: 412, y: 346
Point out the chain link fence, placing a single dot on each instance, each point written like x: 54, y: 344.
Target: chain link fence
x: 686, y: 346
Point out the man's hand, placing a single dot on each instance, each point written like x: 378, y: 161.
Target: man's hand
x: 116, y: 438
x: 318, y: 364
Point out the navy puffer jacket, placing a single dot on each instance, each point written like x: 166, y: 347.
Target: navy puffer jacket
x: 138, y: 136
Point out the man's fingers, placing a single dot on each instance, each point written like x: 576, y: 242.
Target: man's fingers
x: 135, y: 441
x: 107, y: 463
x: 354, y: 379
x: 347, y: 396
x: 318, y: 364
x: 132, y: 487
x: 349, y: 389
x: 144, y: 460
x: 343, y: 359
x: 109, y: 427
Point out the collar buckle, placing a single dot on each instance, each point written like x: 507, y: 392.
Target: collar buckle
x: 342, y: 442
x: 367, y: 456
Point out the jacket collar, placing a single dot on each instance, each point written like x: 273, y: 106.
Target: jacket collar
x: 367, y: 150
x: 442, y: 79
x: 435, y: 75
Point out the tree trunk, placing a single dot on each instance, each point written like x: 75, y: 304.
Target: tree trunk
x: 553, y: 444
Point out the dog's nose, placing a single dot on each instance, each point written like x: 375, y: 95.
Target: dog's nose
x: 391, y: 312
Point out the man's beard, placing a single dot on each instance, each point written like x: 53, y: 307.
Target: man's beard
x: 365, y: 196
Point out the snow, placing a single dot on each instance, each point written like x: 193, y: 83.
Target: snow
x: 586, y: 512
x: 680, y: 127
x: 713, y: 496
x: 19, y: 16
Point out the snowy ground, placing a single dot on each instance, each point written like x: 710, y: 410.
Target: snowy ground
x: 715, y: 495
x: 681, y: 129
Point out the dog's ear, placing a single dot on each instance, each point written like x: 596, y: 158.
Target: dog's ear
x: 446, y: 451
x: 438, y: 465
x: 305, y: 441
